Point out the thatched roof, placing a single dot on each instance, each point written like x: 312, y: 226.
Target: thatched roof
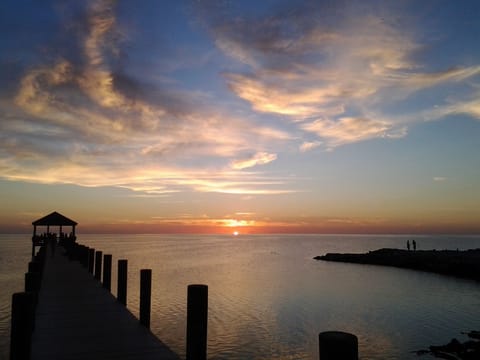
x: 54, y: 219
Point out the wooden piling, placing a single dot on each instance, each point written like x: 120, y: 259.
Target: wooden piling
x: 84, y: 255
x: 145, y: 296
x: 122, y: 275
x: 197, y: 319
x: 32, y: 282
x: 40, y: 257
x: 107, y: 272
x: 91, y: 259
x: 98, y: 265
x: 337, y: 345
x: 34, y: 266
x: 21, y: 326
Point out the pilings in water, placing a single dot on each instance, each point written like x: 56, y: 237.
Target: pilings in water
x: 23, y: 304
x: 145, y: 296
x: 98, y: 265
x: 197, y: 318
x: 107, y: 271
x: 91, y: 259
x: 122, y: 281
x: 332, y: 344
x: 23, y: 314
x: 23, y: 309
x: 335, y: 345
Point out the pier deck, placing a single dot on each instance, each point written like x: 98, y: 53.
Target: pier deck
x: 76, y: 318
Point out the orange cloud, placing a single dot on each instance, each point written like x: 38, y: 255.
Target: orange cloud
x: 343, y: 77
x: 260, y: 158
x: 81, y: 128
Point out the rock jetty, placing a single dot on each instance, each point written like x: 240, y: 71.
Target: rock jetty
x: 463, y: 264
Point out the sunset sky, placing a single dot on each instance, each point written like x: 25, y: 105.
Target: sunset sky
x: 250, y: 116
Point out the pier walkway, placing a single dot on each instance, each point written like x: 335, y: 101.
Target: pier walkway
x: 76, y: 318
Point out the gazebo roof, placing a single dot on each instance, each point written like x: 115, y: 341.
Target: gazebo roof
x: 54, y: 219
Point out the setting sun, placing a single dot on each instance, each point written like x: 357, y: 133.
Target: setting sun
x: 235, y: 233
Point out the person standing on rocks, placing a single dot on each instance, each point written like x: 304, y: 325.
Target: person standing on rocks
x: 408, y: 245
x: 414, y: 243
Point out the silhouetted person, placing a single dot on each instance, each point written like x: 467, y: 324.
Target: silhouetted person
x: 414, y: 243
x: 408, y: 245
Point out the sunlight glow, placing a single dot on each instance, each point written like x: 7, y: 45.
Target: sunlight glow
x: 237, y: 223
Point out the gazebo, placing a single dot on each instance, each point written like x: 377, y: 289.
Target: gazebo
x: 53, y: 219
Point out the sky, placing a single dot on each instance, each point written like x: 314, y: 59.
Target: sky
x: 251, y: 116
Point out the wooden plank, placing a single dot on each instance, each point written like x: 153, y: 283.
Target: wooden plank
x: 76, y: 318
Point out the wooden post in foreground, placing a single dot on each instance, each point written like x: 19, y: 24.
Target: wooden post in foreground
x: 122, y: 281
x: 91, y: 259
x: 21, y: 326
x: 35, y: 266
x: 32, y: 284
x: 145, y: 296
x: 107, y: 272
x: 98, y: 265
x: 197, y: 318
x: 83, y: 253
x: 335, y: 345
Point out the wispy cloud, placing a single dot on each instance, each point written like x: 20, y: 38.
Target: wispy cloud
x: 81, y: 117
x: 260, y: 158
x: 83, y: 121
x: 331, y: 79
x: 469, y: 106
x: 348, y: 129
x: 309, y: 145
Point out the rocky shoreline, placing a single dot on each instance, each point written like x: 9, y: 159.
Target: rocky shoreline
x: 456, y: 350
x: 463, y: 264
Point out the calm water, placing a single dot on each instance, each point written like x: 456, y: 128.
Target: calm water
x: 269, y: 300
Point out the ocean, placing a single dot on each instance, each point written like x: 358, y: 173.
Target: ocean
x: 268, y: 299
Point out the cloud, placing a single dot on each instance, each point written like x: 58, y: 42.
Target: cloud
x: 260, y: 158
x: 469, y: 107
x: 338, y: 81
x: 423, y: 80
x: 439, y: 178
x: 309, y: 145
x: 82, y: 120
x: 82, y: 116
x: 349, y: 129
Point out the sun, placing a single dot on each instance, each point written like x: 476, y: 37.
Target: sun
x: 235, y: 233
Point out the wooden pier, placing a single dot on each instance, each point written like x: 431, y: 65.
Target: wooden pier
x: 67, y: 312
x: 77, y: 318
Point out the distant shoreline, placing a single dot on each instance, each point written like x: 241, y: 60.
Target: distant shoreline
x: 463, y: 264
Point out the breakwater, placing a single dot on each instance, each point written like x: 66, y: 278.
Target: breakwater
x: 463, y: 264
